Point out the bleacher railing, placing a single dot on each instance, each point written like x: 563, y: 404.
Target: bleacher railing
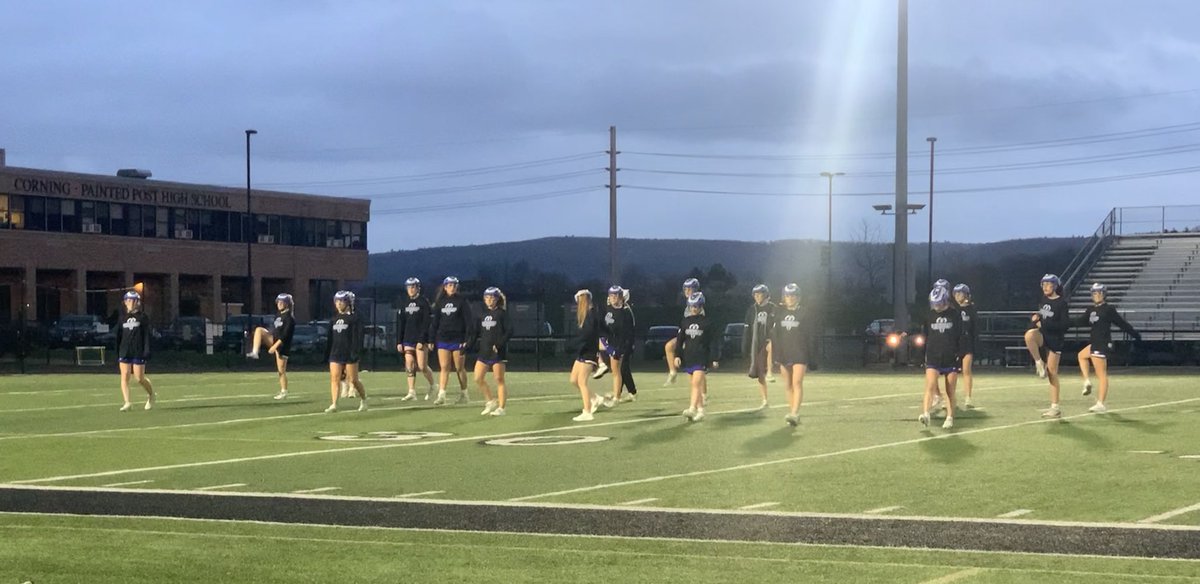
x: 1083, y: 261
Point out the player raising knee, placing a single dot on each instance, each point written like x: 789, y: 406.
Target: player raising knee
x: 968, y: 314
x: 943, y: 332
x: 1047, y: 337
x: 697, y: 347
x: 133, y: 349
x: 792, y: 337
x: 343, y: 349
x: 412, y: 331
x: 278, y: 340
x: 756, y: 342
x: 1100, y: 316
x: 490, y: 332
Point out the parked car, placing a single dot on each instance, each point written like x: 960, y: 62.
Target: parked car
x: 375, y: 336
x: 731, y: 341
x: 880, y: 327
x: 187, y: 332
x: 656, y: 339
x: 80, y: 329
x: 307, y: 338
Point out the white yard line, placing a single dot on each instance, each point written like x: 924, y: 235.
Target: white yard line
x: 1190, y: 456
x: 832, y: 454
x: 882, y: 510
x: 638, y: 502
x: 320, y: 490
x: 1172, y: 513
x: 476, y: 438
x: 758, y: 506
x: 1015, y: 513
x: 956, y: 576
x: 1146, y: 451
x: 421, y: 494
x: 217, y: 487
x: 113, y: 405
x: 129, y: 483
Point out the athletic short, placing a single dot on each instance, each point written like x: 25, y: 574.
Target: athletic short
x: 944, y: 370
x: 490, y: 362
x: 797, y: 358
x: 968, y: 347
x: 690, y: 369
x: 759, y: 369
x: 1053, y: 343
x: 451, y: 346
x: 341, y: 361
x: 409, y: 347
x: 132, y: 360
x: 791, y: 364
x: 591, y: 362
x: 1101, y: 353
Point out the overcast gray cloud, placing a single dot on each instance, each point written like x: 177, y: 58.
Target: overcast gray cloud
x: 347, y: 91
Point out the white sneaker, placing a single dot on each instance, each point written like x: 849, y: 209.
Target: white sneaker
x: 937, y: 403
x: 362, y: 405
x: 345, y: 389
x: 762, y: 406
x: 601, y: 370
x: 970, y: 405
x: 498, y: 412
x: 671, y: 377
x: 462, y: 397
x: 1087, y: 387
x: 629, y: 397
x: 488, y: 407
x: 923, y: 419
x: 949, y: 423
x: 1053, y: 412
x: 409, y: 396
x: 704, y: 400
x: 1099, y: 408
x: 597, y: 401
x: 699, y: 415
x: 126, y: 407
x: 584, y: 417
x: 150, y: 401
x: 331, y: 409
x: 282, y: 394
x: 770, y: 378
x: 689, y: 413
x: 1041, y: 368
x: 792, y: 420
x: 609, y: 402
x: 252, y: 355
x: 441, y: 398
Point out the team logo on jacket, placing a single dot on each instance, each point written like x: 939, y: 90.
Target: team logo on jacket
x: 693, y: 330
x: 1046, y: 311
x: 789, y: 322
x: 761, y: 318
x: 966, y: 317
x: 131, y: 324
x: 941, y: 325
x: 449, y: 309
x: 609, y: 319
x: 1094, y: 318
x: 278, y: 322
x: 412, y: 308
x: 488, y: 323
x: 340, y: 326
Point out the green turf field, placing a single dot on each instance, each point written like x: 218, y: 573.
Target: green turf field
x: 858, y: 451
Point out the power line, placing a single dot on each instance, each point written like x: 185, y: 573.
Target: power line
x: 485, y: 203
x: 436, y: 175
x: 484, y: 186
x: 1027, y: 186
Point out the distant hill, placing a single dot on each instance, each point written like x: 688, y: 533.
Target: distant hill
x: 586, y: 258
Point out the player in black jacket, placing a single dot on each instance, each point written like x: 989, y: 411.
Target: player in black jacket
x: 133, y: 349
x: 756, y: 341
x: 585, y: 358
x: 343, y: 350
x: 448, y: 330
x: 943, y: 330
x: 791, y: 338
x: 970, y: 322
x: 412, y: 338
x: 690, y: 287
x: 278, y: 340
x: 697, y: 346
x: 489, y: 332
x: 1048, y: 336
x: 1100, y: 316
x: 616, y: 341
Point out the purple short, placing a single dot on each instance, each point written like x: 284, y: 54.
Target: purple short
x: 491, y: 362
x: 690, y: 369
x: 945, y: 370
x: 132, y: 360
x: 450, y: 346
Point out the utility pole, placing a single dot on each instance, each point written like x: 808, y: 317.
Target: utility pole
x: 614, y: 268
x: 931, y: 140
x: 900, y: 251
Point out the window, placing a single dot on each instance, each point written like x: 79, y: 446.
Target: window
x: 54, y: 214
x: 163, y: 221
x: 357, y: 241
x: 148, y: 222
x: 4, y: 212
x: 70, y: 216
x: 35, y: 213
x: 207, y: 231
x: 117, y: 216
x: 133, y: 223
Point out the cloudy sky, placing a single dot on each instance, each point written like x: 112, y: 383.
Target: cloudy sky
x: 480, y: 121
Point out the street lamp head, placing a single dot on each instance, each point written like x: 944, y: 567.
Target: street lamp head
x: 882, y: 208
x: 931, y: 139
x: 249, y: 132
x: 832, y: 174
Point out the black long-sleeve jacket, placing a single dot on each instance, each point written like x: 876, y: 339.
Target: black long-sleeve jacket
x: 133, y: 336
x: 345, y: 342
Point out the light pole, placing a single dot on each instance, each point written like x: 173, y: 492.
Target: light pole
x: 931, y: 140
x: 912, y: 209
x: 829, y: 245
x: 247, y: 233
